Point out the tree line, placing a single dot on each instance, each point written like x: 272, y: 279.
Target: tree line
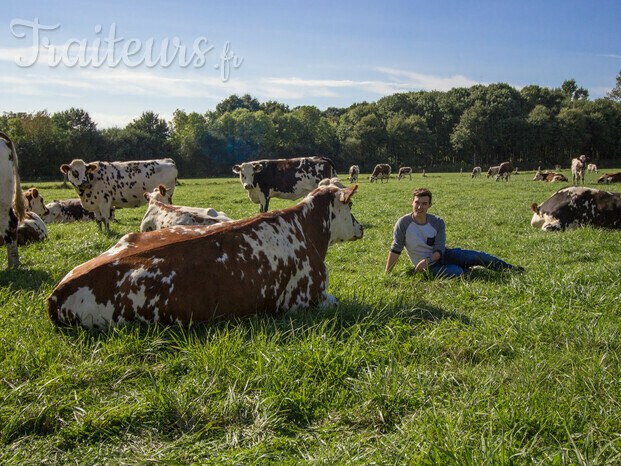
x: 432, y: 130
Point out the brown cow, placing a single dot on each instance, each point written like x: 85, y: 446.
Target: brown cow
x: 504, y: 171
x: 610, y: 178
x: 381, y: 172
x: 354, y: 171
x: 268, y: 263
x: 549, y: 177
x: 404, y: 171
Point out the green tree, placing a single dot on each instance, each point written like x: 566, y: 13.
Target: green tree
x: 615, y: 92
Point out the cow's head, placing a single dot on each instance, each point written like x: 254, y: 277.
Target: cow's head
x: 343, y: 225
x: 159, y: 194
x: 538, y: 176
x: 246, y: 173
x: 77, y: 172
x: 35, y: 202
x: 544, y: 221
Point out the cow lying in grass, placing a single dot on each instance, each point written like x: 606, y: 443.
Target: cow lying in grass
x: 30, y: 230
x: 268, y: 263
x: 161, y: 214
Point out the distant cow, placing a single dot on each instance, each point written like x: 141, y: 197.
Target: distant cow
x: 104, y: 185
x: 578, y: 167
x: 30, y: 230
x: 610, y: 178
x: 403, y: 172
x: 12, y: 201
x: 574, y: 206
x: 381, y: 172
x: 354, y: 171
x: 180, y: 275
x: 282, y: 178
x: 592, y: 168
x: 476, y: 172
x: 549, y: 177
x: 493, y: 171
x: 504, y: 171
x: 160, y: 214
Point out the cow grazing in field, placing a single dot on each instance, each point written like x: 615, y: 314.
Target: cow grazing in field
x: 160, y: 214
x: 30, y: 230
x: 493, y: 171
x: 104, y: 185
x: 381, y: 172
x: 476, y: 172
x: 592, y: 168
x: 549, y: 177
x: 504, y: 171
x: 578, y: 167
x: 13, y: 203
x: 269, y: 263
x: 574, y: 206
x: 405, y: 171
x: 610, y: 178
x: 282, y: 178
x: 354, y: 171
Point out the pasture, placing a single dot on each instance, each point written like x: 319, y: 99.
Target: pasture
x: 493, y: 367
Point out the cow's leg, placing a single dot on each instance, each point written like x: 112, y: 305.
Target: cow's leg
x: 10, y: 239
x: 265, y: 203
x: 104, y: 210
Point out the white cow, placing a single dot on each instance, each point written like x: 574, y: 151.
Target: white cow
x: 12, y: 201
x: 354, y: 171
x: 161, y: 214
x: 104, y: 185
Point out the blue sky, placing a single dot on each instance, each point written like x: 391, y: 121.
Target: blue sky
x: 327, y: 54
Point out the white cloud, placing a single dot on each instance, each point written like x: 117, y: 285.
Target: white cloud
x: 409, y: 79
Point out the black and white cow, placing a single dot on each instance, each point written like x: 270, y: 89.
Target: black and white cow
x: 12, y: 200
x: 282, y: 178
x: 104, y: 185
x: 161, y: 214
x: 574, y: 206
x: 30, y: 230
x: 354, y: 171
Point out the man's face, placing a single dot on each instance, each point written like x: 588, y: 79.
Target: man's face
x: 421, y: 204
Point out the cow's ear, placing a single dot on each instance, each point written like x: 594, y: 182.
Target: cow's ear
x: 257, y: 167
x: 35, y: 192
x: 347, y: 193
x: 534, y: 208
x: 92, y: 167
x: 147, y: 196
x: 162, y: 189
x: 64, y: 168
x: 236, y: 168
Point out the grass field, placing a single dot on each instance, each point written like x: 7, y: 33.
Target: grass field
x: 493, y: 368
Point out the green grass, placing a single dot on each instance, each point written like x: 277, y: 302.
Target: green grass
x: 493, y: 368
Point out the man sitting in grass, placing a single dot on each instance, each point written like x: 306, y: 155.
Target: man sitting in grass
x: 423, y: 236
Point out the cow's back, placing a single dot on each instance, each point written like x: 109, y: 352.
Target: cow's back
x: 293, y: 178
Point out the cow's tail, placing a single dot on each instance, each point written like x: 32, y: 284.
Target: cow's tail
x: 20, y: 205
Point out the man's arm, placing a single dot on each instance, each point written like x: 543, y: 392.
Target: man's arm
x: 393, y: 257
x: 423, y: 264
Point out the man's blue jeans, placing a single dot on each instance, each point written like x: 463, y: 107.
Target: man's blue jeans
x: 454, y: 261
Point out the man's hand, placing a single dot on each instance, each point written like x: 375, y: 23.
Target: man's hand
x: 422, y: 266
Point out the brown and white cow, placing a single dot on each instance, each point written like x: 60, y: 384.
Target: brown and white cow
x: 35, y: 201
x: 578, y: 168
x: 354, y: 171
x: 30, y: 230
x: 504, y: 171
x: 493, y: 171
x: 549, y: 177
x: 476, y: 172
x: 574, y: 206
x: 405, y: 171
x: 282, y: 178
x: 592, y: 168
x: 102, y: 186
x: 12, y: 201
x: 381, y: 172
x: 269, y: 263
x: 610, y: 178
x: 160, y: 214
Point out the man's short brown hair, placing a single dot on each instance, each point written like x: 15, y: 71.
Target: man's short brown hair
x: 420, y: 192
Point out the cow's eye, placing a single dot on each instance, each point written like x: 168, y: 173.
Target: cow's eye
x: 75, y: 173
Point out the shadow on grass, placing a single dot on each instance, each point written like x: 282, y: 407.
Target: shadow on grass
x: 474, y: 274
x: 24, y: 278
